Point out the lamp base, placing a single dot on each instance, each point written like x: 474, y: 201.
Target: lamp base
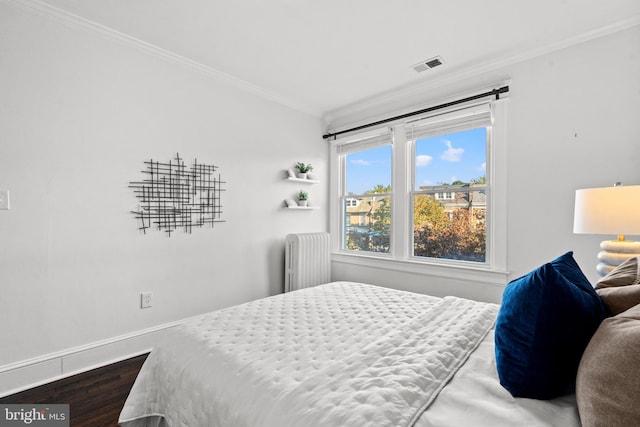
x: 614, y: 253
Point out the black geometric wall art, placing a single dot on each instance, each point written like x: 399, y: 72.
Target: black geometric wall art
x: 172, y: 196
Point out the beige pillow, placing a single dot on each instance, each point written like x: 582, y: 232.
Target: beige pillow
x: 608, y: 381
x: 620, y: 289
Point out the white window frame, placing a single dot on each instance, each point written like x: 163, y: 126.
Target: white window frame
x: 470, y: 116
x: 360, y: 141
x: 400, y: 257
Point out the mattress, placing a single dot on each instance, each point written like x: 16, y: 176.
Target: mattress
x: 338, y: 354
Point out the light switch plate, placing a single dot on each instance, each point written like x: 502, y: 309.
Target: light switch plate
x: 4, y: 200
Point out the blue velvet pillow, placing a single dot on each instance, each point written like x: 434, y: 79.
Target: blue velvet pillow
x: 545, y: 322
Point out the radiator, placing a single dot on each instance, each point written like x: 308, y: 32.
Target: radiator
x: 307, y: 260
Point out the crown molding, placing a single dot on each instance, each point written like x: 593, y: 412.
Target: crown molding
x: 61, y: 16
x: 360, y: 107
x: 396, y: 95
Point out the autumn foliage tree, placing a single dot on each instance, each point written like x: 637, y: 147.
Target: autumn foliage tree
x: 455, y: 235
x: 379, y: 239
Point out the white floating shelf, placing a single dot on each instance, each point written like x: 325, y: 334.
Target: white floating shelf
x: 306, y: 181
x: 302, y: 207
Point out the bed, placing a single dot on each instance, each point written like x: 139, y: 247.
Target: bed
x: 338, y: 354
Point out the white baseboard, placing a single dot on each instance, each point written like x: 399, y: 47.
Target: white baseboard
x: 26, y: 374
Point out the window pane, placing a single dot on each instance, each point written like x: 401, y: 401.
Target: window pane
x: 367, y: 203
x: 367, y: 223
x: 452, y: 227
x: 449, y: 214
x: 369, y: 170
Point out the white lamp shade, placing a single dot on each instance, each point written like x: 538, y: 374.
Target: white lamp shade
x: 608, y: 210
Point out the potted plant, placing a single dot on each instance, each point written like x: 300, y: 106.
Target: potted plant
x: 303, y: 170
x: 303, y: 197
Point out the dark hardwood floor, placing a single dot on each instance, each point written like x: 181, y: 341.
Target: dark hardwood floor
x: 95, y: 397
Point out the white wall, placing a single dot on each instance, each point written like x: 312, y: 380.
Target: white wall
x: 80, y: 113
x: 572, y: 123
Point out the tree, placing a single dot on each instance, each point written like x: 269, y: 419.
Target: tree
x: 462, y: 239
x: 379, y: 189
x: 376, y: 237
x: 429, y: 221
x: 479, y: 180
x: 437, y: 233
x: 453, y: 235
x: 357, y: 241
x: 427, y: 211
x: 380, y: 225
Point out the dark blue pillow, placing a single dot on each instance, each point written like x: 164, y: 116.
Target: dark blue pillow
x: 569, y: 268
x: 545, y: 322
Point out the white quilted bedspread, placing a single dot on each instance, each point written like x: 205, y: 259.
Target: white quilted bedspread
x: 341, y: 354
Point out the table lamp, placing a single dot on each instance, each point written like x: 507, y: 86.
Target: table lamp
x: 610, y: 210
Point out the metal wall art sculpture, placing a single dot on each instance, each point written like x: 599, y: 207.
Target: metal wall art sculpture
x: 172, y: 196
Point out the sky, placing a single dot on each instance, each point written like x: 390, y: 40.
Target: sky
x: 439, y: 159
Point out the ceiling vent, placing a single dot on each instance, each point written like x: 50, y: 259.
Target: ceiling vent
x: 427, y: 64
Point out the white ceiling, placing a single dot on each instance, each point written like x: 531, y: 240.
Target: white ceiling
x: 321, y: 56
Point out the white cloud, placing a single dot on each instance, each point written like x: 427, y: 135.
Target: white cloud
x: 483, y: 167
x: 423, y: 160
x: 451, y: 154
x: 360, y: 162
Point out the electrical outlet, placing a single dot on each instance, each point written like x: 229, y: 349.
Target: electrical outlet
x: 4, y: 199
x: 146, y: 299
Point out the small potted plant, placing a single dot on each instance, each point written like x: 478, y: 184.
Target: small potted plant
x: 303, y: 170
x: 303, y: 198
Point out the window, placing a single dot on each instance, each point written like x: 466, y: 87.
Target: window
x: 425, y: 190
x: 449, y: 189
x: 366, y: 194
x: 449, y: 195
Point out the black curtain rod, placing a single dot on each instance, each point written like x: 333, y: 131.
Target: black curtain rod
x: 494, y: 92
